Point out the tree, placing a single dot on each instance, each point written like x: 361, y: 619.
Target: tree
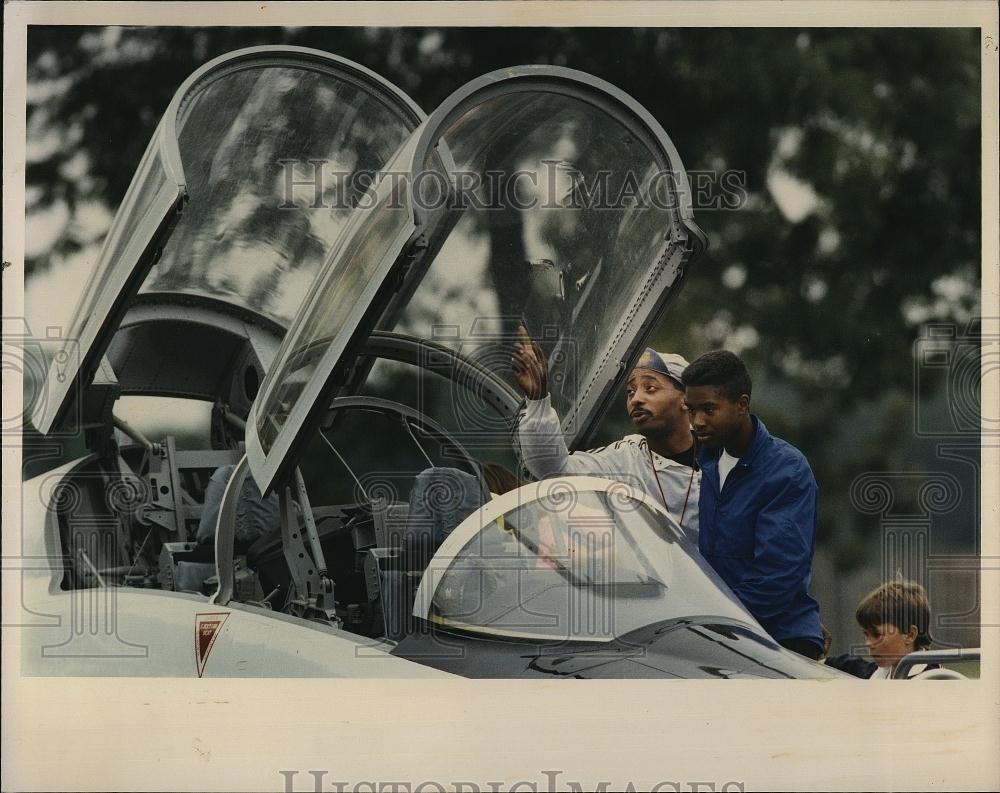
x: 857, y: 151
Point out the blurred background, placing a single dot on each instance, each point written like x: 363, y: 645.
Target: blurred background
x: 848, y: 279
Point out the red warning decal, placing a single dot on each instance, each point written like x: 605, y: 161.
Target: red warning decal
x: 206, y: 630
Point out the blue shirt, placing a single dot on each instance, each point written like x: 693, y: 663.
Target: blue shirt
x: 759, y: 532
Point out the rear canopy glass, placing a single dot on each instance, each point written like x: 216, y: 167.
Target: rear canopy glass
x: 271, y: 146
x: 154, y: 193
x: 275, y: 159
x: 337, y: 302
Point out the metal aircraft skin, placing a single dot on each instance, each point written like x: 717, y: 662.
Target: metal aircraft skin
x: 354, y: 349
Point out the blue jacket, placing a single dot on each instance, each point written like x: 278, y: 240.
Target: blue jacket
x: 759, y: 533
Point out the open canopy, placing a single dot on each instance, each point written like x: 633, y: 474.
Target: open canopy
x: 535, y: 195
x: 241, y: 195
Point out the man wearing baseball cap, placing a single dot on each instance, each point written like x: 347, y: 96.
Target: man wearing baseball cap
x: 659, y: 459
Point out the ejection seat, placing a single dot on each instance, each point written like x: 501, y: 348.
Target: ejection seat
x: 440, y: 500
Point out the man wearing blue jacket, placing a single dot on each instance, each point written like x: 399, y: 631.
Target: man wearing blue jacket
x: 757, y: 505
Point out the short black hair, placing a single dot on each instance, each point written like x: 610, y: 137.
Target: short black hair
x: 721, y: 369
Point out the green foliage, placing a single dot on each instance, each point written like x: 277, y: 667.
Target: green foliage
x: 824, y: 300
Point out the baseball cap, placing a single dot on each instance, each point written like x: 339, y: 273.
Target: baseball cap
x: 668, y: 363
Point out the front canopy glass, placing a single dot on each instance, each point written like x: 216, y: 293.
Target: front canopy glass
x: 561, y: 216
x: 572, y: 558
x: 538, y: 197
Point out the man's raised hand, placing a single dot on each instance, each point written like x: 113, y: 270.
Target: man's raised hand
x: 530, y: 367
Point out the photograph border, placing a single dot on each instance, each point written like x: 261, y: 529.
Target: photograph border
x: 229, y: 734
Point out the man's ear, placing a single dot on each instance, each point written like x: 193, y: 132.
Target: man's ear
x: 911, y: 635
x: 744, y: 403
